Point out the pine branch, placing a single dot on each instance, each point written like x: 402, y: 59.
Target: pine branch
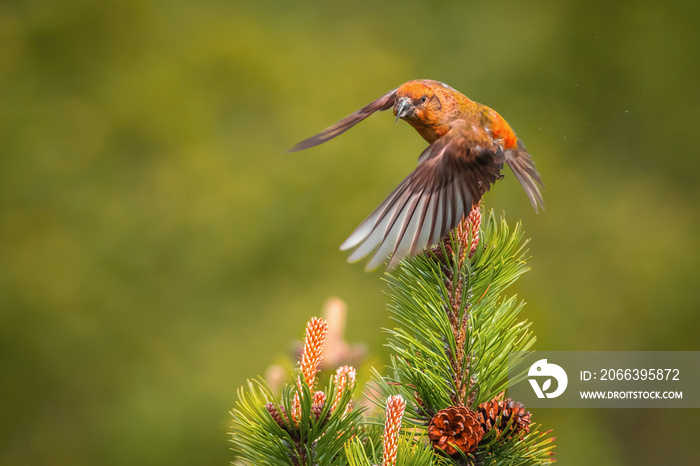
x: 304, y: 427
x: 454, y: 329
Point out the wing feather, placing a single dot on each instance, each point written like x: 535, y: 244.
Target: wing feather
x: 375, y: 218
x: 385, y: 102
x: 410, y: 227
x: 422, y: 237
x: 453, y: 173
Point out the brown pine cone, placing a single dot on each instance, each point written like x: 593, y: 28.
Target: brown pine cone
x: 317, y: 410
x: 488, y: 414
x: 516, y: 411
x: 498, y: 413
x: 274, y: 412
x: 455, y: 429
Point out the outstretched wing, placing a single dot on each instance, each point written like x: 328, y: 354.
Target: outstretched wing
x: 452, y: 175
x: 521, y: 163
x: 385, y: 102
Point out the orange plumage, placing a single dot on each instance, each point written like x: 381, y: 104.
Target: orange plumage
x: 469, y: 142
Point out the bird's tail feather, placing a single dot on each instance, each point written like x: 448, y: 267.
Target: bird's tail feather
x: 524, y: 169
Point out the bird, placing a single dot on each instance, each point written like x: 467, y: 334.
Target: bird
x: 468, y: 143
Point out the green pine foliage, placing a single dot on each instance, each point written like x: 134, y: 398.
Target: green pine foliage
x: 368, y: 452
x: 314, y: 440
x: 425, y: 291
x: 454, y: 330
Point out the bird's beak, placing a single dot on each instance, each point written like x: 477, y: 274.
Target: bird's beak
x: 403, y: 107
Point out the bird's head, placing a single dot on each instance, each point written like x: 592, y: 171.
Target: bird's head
x: 420, y: 104
x: 417, y: 101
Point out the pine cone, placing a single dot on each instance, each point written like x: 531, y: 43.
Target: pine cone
x: 317, y: 410
x: 455, y: 429
x: 516, y: 411
x: 274, y: 412
x: 498, y: 413
x: 488, y: 414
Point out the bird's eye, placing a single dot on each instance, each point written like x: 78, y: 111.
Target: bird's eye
x: 422, y: 99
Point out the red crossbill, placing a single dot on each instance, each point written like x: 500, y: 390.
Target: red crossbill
x: 468, y: 144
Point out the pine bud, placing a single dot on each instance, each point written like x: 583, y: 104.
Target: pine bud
x: 395, y: 407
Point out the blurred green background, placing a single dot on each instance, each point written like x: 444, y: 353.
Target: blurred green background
x: 157, y: 247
